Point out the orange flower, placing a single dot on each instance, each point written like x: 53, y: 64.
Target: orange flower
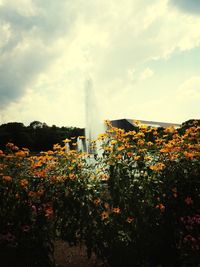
x: 120, y: 148
x: 136, y: 158
x: 188, y: 155
x: 129, y: 154
x: 174, y: 190
x: 31, y: 194
x: 97, y: 201
x: 119, y: 156
x: 1, y: 152
x: 140, y: 142
x: 49, y: 212
x: 104, y: 177
x: 106, y: 205
x: 23, y: 183
x: 188, y: 200
x: 161, y: 207
x: 130, y: 219
x: 21, y: 153
x: 40, y: 192
x: 72, y: 176
x: 10, y: 145
x: 16, y: 148
x: 104, y: 215
x: 157, y: 167
x: 7, y: 178
x: 116, y: 210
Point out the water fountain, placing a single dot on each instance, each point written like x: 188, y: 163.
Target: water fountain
x: 94, y: 124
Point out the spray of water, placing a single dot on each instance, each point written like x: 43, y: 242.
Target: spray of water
x: 93, y: 122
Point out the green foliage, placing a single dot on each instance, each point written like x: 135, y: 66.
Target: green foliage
x: 137, y: 205
x: 37, y: 136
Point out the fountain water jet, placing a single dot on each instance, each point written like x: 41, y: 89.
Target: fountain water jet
x: 94, y: 124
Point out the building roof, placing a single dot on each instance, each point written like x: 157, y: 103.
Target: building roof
x: 130, y: 124
x: 155, y: 123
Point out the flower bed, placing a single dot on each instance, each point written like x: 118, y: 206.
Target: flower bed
x: 137, y: 205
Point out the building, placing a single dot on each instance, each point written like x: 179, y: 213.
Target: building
x: 129, y: 125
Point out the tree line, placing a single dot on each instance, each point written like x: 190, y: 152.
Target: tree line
x: 37, y: 136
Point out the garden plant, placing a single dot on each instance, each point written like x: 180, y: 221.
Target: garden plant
x: 135, y: 205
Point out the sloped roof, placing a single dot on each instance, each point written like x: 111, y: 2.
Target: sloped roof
x: 128, y: 124
x: 155, y: 123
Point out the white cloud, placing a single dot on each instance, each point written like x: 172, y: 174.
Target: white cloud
x: 189, y: 91
x: 48, y: 48
x: 147, y: 73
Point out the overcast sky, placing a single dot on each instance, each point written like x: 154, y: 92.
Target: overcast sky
x: 143, y: 57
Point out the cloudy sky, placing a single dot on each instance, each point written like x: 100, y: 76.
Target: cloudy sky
x: 143, y: 57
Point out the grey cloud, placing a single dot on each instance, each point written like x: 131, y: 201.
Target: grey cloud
x: 189, y: 6
x: 18, y: 70
x: 24, y: 55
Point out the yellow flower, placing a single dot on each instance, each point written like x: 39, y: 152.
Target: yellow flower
x: 102, y: 136
x: 70, y: 168
x: 148, y: 158
x: 140, y: 135
x: 149, y: 143
x: 67, y: 140
x: 137, y: 122
x: 107, y: 148
x: 113, y: 142
x: 104, y: 215
x: 170, y: 129
x: 82, y: 137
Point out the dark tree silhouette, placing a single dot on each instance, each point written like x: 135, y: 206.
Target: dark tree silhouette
x: 38, y: 136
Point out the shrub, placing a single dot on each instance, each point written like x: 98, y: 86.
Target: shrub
x: 136, y: 205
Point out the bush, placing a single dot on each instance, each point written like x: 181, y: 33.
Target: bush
x: 136, y: 205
